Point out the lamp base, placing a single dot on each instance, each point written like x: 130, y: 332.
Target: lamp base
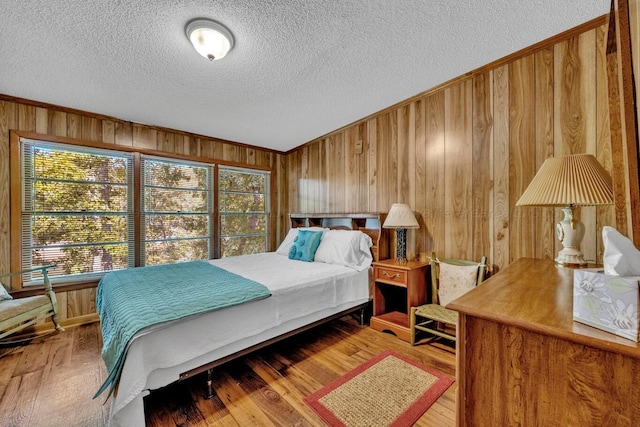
x: 401, y: 245
x: 570, y: 232
x: 570, y: 260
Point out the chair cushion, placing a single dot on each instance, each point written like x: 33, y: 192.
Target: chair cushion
x: 455, y: 281
x: 438, y: 313
x: 17, y: 306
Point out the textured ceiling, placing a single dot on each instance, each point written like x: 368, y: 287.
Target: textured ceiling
x: 299, y: 69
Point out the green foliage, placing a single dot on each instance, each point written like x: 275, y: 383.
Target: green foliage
x: 233, y: 225
x: 163, y: 252
x: 161, y: 227
x: 243, y: 212
x: 176, y: 208
x: 78, y: 211
x: 81, y: 199
x: 232, y: 246
x: 248, y: 182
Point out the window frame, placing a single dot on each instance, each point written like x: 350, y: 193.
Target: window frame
x: 267, y: 202
x: 211, y: 199
x: 28, y: 198
x: 15, y: 199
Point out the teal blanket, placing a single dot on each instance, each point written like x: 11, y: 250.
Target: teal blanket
x: 136, y: 298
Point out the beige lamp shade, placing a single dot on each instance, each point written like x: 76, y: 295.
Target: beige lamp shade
x: 578, y: 180
x: 400, y: 216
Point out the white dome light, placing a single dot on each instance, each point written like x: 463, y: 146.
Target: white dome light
x: 211, y: 39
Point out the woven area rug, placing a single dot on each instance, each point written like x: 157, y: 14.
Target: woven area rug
x: 388, y: 390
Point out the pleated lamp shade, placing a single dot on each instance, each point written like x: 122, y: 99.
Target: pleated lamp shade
x: 578, y: 180
x: 400, y: 216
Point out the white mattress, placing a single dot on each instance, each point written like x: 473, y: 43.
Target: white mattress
x: 302, y: 293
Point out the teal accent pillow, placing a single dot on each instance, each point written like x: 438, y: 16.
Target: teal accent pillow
x: 305, y: 245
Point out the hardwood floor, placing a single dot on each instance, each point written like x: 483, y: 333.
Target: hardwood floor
x: 51, y: 381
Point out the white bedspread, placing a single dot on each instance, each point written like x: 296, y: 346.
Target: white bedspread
x: 302, y: 293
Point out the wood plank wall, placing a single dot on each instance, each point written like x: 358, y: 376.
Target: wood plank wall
x: 462, y: 154
x: 22, y: 115
x: 634, y: 22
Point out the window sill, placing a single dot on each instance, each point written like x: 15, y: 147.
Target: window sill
x: 58, y: 287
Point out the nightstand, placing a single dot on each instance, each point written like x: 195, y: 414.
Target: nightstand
x: 397, y: 288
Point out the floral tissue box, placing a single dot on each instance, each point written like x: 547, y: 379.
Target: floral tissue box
x: 606, y: 302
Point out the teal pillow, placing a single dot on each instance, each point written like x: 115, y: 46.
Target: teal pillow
x: 305, y: 245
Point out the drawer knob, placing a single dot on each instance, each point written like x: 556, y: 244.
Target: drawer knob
x: 391, y: 276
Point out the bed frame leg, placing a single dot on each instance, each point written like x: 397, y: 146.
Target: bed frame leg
x: 362, y: 315
x: 210, y: 393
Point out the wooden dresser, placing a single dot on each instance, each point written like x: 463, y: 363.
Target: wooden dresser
x: 522, y: 360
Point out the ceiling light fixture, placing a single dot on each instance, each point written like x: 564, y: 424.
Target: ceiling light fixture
x: 210, y: 38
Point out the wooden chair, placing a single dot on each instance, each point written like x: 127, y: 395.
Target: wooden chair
x: 20, y: 313
x: 450, y: 279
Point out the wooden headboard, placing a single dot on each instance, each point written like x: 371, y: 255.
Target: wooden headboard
x: 368, y: 223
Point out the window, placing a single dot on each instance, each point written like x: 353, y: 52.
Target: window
x: 244, y: 211
x: 177, y: 210
x: 77, y: 209
x: 91, y: 210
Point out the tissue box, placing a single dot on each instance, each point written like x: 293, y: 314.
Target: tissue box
x: 606, y: 302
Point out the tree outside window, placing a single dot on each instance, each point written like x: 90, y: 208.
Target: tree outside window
x: 244, y: 211
x: 177, y: 199
x: 78, y: 210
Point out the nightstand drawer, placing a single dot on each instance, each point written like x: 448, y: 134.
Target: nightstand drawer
x: 391, y: 275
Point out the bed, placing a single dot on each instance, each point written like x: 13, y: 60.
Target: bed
x: 300, y: 295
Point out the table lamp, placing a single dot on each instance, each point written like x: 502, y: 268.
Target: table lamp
x: 401, y: 217
x: 569, y: 181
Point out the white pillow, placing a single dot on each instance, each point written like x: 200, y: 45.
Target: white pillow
x: 4, y: 295
x: 350, y: 248
x: 285, y: 246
